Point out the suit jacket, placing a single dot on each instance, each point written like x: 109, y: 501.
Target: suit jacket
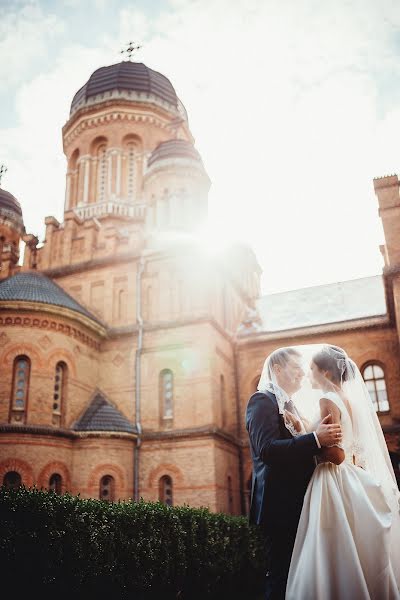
x: 282, y: 465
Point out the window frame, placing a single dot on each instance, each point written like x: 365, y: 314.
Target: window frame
x: 10, y: 487
x: 164, y: 482
x: 59, y: 482
x: 57, y: 414
x: 166, y: 418
x: 111, y: 497
x: 13, y: 408
x: 377, y: 363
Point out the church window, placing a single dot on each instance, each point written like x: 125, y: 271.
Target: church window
x: 60, y: 379
x: 20, y: 387
x: 222, y: 394
x: 230, y: 495
x: 374, y: 378
x: 165, y: 490
x: 55, y: 483
x: 107, y: 488
x: 167, y: 393
x: 131, y: 171
x: 102, y: 172
x: 12, y: 480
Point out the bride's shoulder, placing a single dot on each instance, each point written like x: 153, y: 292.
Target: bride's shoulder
x: 332, y: 396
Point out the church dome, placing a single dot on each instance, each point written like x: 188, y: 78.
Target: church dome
x: 36, y: 287
x: 133, y: 79
x: 10, y: 209
x: 174, y: 149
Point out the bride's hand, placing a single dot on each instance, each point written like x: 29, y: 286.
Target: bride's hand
x: 292, y: 419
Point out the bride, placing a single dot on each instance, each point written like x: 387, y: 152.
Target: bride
x: 348, y: 538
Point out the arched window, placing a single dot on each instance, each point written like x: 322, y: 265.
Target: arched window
x: 12, y: 480
x: 101, y: 172
x: 230, y: 495
x: 374, y: 378
x: 55, y: 483
x: 167, y: 393
x: 60, y: 384
x: 222, y: 398
x: 131, y: 171
x: 20, y: 391
x: 165, y: 490
x: 107, y: 488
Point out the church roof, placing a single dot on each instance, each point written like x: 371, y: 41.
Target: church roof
x: 9, y: 201
x: 174, y: 149
x: 35, y: 287
x: 11, y: 208
x: 323, y: 304
x: 103, y: 416
x: 126, y: 76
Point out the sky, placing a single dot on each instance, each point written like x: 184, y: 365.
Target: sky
x: 294, y: 106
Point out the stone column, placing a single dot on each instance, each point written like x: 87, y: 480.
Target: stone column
x: 86, y: 180
x: 118, y: 176
x: 109, y: 175
x: 67, y: 203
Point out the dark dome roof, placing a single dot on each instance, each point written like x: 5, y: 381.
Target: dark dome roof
x: 127, y: 76
x: 9, y: 202
x: 174, y: 149
x: 35, y: 287
x: 103, y: 416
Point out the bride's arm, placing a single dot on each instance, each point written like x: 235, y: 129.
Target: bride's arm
x: 333, y: 454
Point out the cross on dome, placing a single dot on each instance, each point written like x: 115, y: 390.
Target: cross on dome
x: 3, y: 170
x: 131, y: 49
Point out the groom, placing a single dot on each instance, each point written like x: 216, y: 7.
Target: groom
x: 282, y: 464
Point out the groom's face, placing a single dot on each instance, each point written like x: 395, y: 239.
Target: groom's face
x: 290, y: 376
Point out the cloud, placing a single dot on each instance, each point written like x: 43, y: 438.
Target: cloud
x: 293, y: 106
x: 25, y: 32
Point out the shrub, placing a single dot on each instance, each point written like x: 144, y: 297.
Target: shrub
x: 143, y: 550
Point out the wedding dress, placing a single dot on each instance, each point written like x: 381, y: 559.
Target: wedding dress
x: 345, y: 545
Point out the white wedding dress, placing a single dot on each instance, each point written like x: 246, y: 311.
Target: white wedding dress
x: 344, y: 548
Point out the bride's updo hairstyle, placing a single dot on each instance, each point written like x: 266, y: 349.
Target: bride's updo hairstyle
x: 334, y: 360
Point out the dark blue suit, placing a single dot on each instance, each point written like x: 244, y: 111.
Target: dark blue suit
x: 282, y: 468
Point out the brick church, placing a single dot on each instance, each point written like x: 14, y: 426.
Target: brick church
x: 127, y: 352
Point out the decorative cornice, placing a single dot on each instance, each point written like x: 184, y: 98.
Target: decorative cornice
x: 40, y: 322
x: 82, y: 121
x: 86, y: 265
x: 64, y: 433
x: 191, y: 432
x: 259, y: 337
x: 37, y: 430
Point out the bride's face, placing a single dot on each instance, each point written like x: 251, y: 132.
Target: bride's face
x: 317, y: 378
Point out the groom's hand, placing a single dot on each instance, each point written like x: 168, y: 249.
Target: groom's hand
x: 328, y: 433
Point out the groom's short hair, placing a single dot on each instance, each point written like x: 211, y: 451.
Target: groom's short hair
x: 282, y: 356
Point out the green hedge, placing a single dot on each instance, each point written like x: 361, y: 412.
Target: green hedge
x: 141, y: 550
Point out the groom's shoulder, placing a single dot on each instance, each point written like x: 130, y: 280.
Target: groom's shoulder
x: 262, y: 398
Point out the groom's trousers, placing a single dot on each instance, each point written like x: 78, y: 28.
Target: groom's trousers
x: 279, y: 547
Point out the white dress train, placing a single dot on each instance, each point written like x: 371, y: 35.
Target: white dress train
x: 343, y: 547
